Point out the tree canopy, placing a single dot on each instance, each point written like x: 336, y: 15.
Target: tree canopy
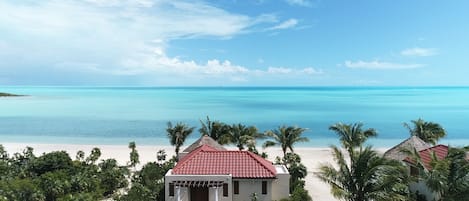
x: 429, y: 132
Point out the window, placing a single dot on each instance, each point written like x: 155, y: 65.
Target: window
x: 414, y: 171
x: 171, y: 189
x: 236, y: 187
x: 264, y: 187
x: 225, y: 190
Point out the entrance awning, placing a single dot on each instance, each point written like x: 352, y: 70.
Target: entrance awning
x: 198, y: 183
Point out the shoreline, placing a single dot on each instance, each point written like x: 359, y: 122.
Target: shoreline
x: 377, y: 143
x: 311, y: 157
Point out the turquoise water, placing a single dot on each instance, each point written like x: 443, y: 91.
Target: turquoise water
x: 117, y: 115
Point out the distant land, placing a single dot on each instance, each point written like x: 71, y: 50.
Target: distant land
x: 8, y: 95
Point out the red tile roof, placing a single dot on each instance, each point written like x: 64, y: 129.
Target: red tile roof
x: 206, y: 160
x: 441, y: 151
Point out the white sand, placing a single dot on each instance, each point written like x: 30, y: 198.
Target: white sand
x: 311, y: 158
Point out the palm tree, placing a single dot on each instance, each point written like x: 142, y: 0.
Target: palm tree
x: 218, y: 131
x: 243, y: 136
x: 351, y: 135
x: 134, y: 157
x: 365, y: 176
x: 177, y: 134
x: 429, y: 132
x: 286, y: 137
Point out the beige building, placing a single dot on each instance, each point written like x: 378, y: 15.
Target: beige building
x: 425, y: 151
x: 209, y: 173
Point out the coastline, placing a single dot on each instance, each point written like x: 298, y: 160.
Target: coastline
x: 311, y: 157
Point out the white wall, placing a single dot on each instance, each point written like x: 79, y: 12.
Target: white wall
x: 247, y: 187
x: 276, y: 188
x: 422, y: 188
x: 281, y: 187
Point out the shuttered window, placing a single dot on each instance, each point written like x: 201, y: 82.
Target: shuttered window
x: 171, y: 189
x: 264, y: 187
x: 236, y: 187
x: 225, y: 190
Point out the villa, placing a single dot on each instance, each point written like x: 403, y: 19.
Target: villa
x: 425, y: 152
x: 440, y: 151
x: 209, y: 172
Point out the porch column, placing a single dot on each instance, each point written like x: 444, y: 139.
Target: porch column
x: 178, y: 193
x: 216, y: 193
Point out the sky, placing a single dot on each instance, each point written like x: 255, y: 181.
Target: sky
x: 234, y: 43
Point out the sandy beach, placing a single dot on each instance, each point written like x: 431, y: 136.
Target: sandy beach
x: 311, y: 158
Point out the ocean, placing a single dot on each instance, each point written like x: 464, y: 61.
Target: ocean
x: 117, y: 115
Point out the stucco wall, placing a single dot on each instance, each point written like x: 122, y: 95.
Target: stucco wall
x: 281, y: 187
x: 422, y: 188
x: 247, y: 187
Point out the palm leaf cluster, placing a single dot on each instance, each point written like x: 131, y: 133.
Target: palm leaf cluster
x: 177, y: 134
x: 285, y: 137
x: 360, y: 173
x: 429, y: 132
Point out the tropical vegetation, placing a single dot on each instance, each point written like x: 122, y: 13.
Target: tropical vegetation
x: 429, y: 132
x: 361, y: 174
x: 55, y: 176
x: 177, y: 134
x: 285, y: 137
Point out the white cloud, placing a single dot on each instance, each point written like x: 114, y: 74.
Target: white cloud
x: 305, y: 3
x: 379, y: 65
x: 285, y: 25
x: 291, y: 71
x: 311, y: 71
x: 279, y: 70
x: 419, y: 52
x: 129, y: 37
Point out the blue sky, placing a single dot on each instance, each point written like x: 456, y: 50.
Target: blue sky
x: 234, y: 42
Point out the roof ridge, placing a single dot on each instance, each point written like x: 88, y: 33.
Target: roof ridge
x: 262, y: 161
x: 404, y: 141
x: 433, y: 147
x: 258, y: 168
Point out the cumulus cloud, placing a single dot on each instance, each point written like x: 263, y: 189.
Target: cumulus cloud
x: 116, y: 24
x: 419, y: 52
x: 285, y: 25
x: 162, y: 64
x: 125, y: 37
x: 305, y: 3
x: 379, y: 65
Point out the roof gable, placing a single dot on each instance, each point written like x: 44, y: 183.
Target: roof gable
x: 206, y: 160
x: 204, y: 140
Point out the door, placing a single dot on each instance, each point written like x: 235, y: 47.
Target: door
x: 199, y: 193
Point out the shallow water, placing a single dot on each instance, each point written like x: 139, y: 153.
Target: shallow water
x: 117, y: 115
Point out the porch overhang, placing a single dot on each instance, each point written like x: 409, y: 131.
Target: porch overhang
x: 198, y: 183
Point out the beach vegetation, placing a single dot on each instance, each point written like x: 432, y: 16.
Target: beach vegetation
x: 352, y: 136
x: 54, y: 176
x: 429, y: 132
x: 244, y: 136
x: 285, y: 137
x: 177, y: 134
x: 217, y: 130
x: 148, y: 183
x: 361, y: 173
x: 134, y: 157
x: 3, y: 94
